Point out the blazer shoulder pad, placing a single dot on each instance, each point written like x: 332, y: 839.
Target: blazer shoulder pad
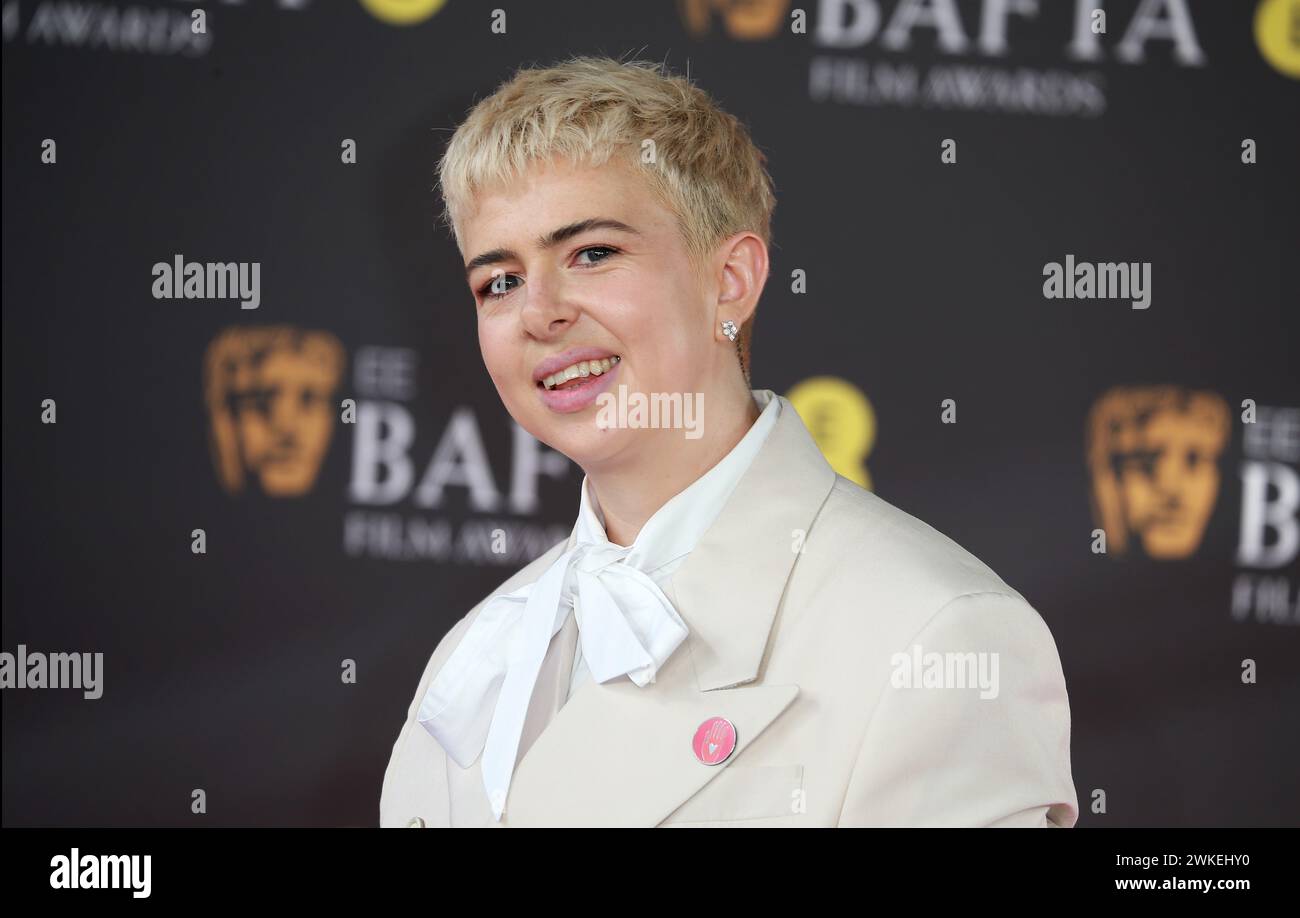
x: 888, y: 549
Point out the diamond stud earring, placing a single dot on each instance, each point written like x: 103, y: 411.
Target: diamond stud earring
x: 729, y: 329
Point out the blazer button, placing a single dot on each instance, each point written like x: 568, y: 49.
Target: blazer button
x: 415, y: 823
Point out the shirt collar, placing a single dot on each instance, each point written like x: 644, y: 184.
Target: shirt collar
x: 678, y: 525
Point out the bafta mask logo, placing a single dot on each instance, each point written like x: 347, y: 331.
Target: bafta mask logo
x: 269, y: 392
x: 745, y: 20
x: 1153, y: 453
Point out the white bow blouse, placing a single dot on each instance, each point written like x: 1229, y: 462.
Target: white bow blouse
x: 627, y: 626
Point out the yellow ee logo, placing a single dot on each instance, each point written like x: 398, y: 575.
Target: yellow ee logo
x: 1277, y: 32
x: 402, y: 12
x: 841, y: 420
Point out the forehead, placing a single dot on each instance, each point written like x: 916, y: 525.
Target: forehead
x: 556, y: 193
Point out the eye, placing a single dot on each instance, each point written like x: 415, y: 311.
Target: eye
x: 609, y: 249
x: 496, y: 287
x: 499, y: 286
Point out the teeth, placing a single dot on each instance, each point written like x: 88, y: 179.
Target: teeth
x: 581, y: 368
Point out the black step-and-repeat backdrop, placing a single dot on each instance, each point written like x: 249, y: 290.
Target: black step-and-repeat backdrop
x: 1033, y: 281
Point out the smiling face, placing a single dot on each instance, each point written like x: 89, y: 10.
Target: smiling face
x: 575, y: 258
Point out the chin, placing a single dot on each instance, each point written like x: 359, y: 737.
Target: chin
x: 581, y: 441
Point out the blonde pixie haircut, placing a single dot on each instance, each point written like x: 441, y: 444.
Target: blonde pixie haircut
x: 585, y: 110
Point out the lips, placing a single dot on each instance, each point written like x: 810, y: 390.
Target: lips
x: 574, y: 373
x: 579, y: 395
x: 557, y: 362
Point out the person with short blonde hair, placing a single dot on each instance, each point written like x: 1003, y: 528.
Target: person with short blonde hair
x: 698, y: 161
x: 733, y: 634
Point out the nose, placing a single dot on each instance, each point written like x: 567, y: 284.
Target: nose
x: 284, y: 418
x: 548, y: 309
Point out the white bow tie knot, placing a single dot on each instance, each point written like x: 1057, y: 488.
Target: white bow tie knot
x: 627, y: 625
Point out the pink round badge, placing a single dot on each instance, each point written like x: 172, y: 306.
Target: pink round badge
x: 715, y: 739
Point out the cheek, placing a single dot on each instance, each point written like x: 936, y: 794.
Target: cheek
x: 685, y: 330
x: 496, y: 352
x: 663, y: 318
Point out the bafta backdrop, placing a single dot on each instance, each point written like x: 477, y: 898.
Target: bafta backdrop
x: 1032, y: 281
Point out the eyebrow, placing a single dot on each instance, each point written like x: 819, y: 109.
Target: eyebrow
x: 550, y: 240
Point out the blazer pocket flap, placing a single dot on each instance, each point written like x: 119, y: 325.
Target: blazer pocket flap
x: 743, y: 792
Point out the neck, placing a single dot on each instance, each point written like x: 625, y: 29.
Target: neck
x: 665, y: 463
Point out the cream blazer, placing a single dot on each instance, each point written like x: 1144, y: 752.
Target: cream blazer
x: 803, y: 600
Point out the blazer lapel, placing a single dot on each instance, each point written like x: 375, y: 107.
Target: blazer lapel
x: 552, y: 685
x: 730, y: 587
x: 619, y: 755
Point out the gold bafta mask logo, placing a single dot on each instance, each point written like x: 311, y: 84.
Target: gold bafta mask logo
x: 1153, y: 454
x: 269, y: 392
x: 746, y: 20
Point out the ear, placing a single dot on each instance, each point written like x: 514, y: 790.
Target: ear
x: 742, y: 267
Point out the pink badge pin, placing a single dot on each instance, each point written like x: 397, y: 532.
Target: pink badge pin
x: 715, y: 739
